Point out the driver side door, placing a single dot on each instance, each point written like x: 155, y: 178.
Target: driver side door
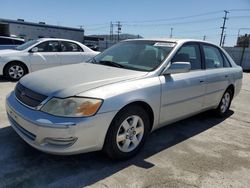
x: 46, y: 56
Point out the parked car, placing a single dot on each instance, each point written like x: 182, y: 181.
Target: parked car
x: 10, y: 42
x: 123, y: 94
x: 40, y: 54
x: 93, y: 47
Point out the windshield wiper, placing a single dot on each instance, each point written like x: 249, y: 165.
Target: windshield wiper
x: 111, y: 63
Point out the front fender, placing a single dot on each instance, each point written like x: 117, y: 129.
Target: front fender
x: 118, y: 95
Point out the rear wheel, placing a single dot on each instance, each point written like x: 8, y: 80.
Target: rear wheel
x: 127, y: 133
x: 225, y: 103
x: 15, y: 71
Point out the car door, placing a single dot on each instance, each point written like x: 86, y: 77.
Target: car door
x: 70, y: 53
x: 183, y: 93
x: 45, y: 56
x: 217, y: 74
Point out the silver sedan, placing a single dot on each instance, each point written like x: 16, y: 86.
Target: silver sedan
x: 115, y: 100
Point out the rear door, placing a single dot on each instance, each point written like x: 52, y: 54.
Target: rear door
x: 46, y: 56
x: 183, y: 93
x: 217, y: 74
x: 70, y: 53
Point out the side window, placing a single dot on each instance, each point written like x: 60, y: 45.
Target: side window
x: 18, y: 42
x: 226, y: 62
x: 213, y: 58
x: 189, y: 53
x: 48, y: 46
x: 70, y: 47
x: 4, y: 41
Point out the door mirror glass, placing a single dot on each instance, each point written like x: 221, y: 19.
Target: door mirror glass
x: 177, y: 67
x: 35, y: 49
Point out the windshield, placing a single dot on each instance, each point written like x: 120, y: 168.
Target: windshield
x: 135, y: 55
x: 26, y: 45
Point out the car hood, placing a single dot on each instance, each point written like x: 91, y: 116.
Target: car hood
x: 70, y: 80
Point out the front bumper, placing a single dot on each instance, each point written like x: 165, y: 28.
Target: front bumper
x: 58, y: 135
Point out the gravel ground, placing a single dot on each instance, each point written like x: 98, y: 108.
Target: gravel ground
x: 202, y: 151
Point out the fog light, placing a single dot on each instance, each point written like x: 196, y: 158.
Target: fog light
x: 60, y: 141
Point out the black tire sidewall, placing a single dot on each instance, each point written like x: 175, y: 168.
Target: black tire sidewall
x: 111, y: 147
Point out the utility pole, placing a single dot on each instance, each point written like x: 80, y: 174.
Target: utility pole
x: 223, y: 26
x: 171, y: 32
x: 119, y: 30
x: 204, y: 37
x: 223, y: 41
x: 111, y: 31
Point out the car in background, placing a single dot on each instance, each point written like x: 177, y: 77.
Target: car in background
x: 40, y: 54
x: 93, y: 47
x: 10, y: 42
x: 128, y: 91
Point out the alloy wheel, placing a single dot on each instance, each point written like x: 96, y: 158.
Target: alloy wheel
x: 225, y: 102
x: 16, y: 72
x: 130, y: 133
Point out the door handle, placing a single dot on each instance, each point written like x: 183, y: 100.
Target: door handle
x: 201, y: 81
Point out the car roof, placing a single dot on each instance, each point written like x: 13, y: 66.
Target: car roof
x: 59, y: 39
x: 175, y: 40
x: 13, y: 38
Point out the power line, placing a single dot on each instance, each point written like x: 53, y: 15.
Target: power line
x: 236, y: 17
x: 175, y: 18
x: 231, y: 10
x: 173, y: 23
x: 96, y: 28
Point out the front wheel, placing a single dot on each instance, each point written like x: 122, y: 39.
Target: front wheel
x: 225, y: 103
x: 127, y: 133
x: 15, y: 71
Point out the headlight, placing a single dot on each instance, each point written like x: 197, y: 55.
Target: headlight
x: 72, y: 107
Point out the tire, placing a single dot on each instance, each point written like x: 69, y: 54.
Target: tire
x: 223, y: 108
x: 127, y: 133
x: 15, y: 71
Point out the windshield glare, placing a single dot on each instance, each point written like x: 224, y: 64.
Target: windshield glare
x: 26, y: 45
x: 136, y: 55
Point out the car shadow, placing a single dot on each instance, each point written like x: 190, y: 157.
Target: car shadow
x: 4, y: 79
x: 23, y: 166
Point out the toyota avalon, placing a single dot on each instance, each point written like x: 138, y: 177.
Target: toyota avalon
x: 114, y: 101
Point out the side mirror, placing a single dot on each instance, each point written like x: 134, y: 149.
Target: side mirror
x: 177, y: 67
x: 33, y: 50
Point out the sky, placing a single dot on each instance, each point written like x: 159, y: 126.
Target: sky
x: 148, y: 18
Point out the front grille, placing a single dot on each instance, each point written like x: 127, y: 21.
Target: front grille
x: 28, y: 134
x: 28, y: 97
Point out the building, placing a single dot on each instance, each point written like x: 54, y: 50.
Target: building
x: 243, y: 41
x: 103, y: 41
x: 31, y: 30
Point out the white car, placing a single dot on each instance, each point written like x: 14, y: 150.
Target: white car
x: 10, y: 42
x: 40, y: 54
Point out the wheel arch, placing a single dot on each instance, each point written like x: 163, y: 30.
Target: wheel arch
x: 15, y: 61
x: 145, y: 106
x: 232, y: 88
